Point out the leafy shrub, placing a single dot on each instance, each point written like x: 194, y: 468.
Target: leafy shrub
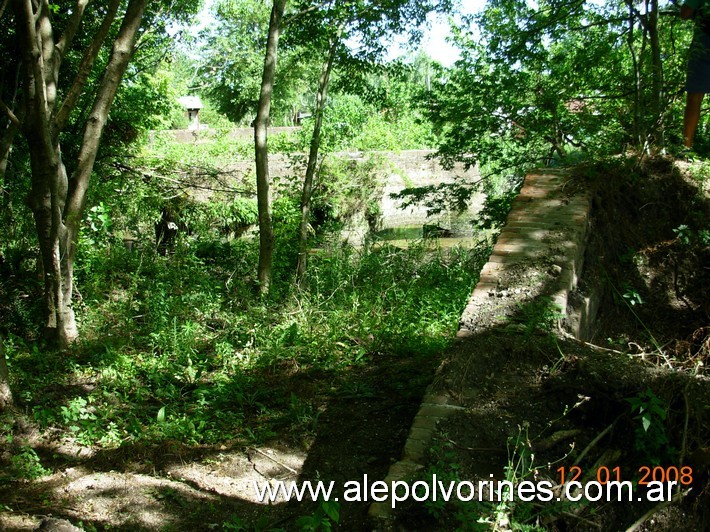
x: 27, y: 465
x: 651, y: 437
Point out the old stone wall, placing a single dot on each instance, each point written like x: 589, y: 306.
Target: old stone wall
x: 537, y: 259
x: 399, y: 170
x: 189, y: 136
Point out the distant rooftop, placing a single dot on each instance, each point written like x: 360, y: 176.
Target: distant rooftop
x: 190, y: 102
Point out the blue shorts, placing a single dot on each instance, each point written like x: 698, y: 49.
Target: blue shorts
x: 698, y: 79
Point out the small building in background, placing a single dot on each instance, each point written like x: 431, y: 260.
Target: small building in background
x: 301, y: 116
x: 192, y: 106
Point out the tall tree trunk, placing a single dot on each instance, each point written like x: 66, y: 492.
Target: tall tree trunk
x: 5, y: 393
x: 47, y: 201
x: 261, y: 124
x: 656, y: 73
x: 57, y: 201
x: 313, y: 158
x: 649, y: 129
x: 636, y: 73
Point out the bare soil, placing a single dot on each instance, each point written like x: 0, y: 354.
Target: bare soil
x: 360, y: 430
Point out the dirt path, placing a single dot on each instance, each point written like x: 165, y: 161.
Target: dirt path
x: 183, y: 487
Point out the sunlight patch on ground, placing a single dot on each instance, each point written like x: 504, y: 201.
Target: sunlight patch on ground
x: 234, y: 475
x: 121, y: 499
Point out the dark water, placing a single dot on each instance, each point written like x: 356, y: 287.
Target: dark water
x: 403, y: 237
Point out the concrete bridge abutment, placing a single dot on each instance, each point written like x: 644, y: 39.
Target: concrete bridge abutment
x: 537, y: 261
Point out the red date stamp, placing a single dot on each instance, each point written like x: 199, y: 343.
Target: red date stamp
x: 680, y: 475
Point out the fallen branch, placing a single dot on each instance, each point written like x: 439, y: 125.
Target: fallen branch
x: 594, y: 442
x: 275, y: 461
x: 556, y: 438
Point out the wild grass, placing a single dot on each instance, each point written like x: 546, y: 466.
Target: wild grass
x: 182, y: 347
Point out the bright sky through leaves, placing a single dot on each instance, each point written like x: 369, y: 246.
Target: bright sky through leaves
x: 434, y: 42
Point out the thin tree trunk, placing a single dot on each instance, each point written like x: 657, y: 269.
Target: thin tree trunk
x: 12, y: 128
x: 649, y: 129
x: 656, y: 73
x: 6, y: 142
x: 636, y: 71
x: 261, y: 124
x: 47, y: 201
x: 5, y: 393
x: 313, y: 159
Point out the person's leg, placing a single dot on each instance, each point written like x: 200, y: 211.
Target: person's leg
x: 693, y: 103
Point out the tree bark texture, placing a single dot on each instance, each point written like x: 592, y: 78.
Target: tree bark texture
x: 656, y: 73
x: 5, y: 394
x: 307, y: 191
x: 6, y: 141
x: 261, y: 124
x: 57, y: 200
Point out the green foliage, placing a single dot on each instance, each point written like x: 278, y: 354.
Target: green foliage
x: 211, y: 117
x: 177, y: 347
x: 327, y: 513
x: 346, y: 191
x: 94, y: 240
x: 500, y: 189
x: 553, y: 85
x: 226, y: 218
x: 142, y: 104
x: 351, y: 124
x: 233, y: 56
x: 286, y: 220
x: 483, y: 515
x: 304, y: 415
x: 395, y: 96
x: 688, y: 238
x: 232, y: 59
x: 540, y: 314
x: 343, y: 120
x: 631, y: 296
x: 408, y: 132
x: 372, y: 25
x: 27, y: 465
x: 651, y: 437
x: 20, y: 288
x: 164, y: 153
x: 447, y: 469
x: 496, y: 208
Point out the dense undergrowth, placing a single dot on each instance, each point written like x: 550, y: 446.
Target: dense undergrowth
x: 180, y: 347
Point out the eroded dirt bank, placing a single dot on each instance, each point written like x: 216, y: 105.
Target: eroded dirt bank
x: 634, y: 397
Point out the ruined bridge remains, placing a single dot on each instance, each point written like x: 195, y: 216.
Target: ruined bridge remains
x: 397, y: 171
x: 538, y: 256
